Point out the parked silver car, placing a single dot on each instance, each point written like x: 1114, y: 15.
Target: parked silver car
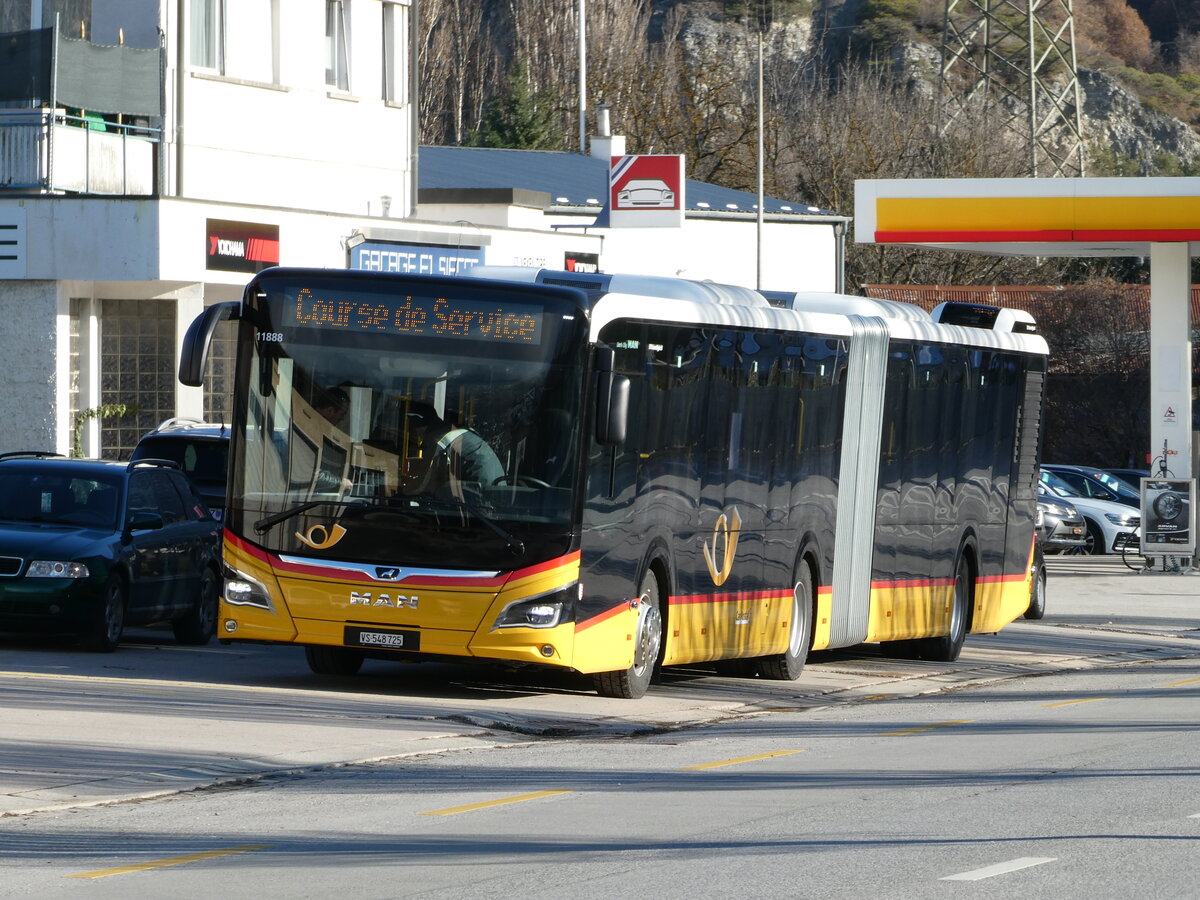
x: 1060, y: 526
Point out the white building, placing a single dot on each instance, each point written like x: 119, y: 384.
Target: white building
x: 154, y: 154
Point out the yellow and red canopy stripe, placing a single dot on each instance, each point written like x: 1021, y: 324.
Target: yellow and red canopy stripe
x: 980, y: 219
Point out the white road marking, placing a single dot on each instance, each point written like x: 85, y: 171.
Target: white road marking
x: 1000, y: 868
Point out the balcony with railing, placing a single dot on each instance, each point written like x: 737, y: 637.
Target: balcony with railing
x: 77, y: 117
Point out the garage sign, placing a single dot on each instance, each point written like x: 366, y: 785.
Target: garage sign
x: 646, y: 191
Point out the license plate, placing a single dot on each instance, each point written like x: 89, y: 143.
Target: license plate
x: 384, y: 640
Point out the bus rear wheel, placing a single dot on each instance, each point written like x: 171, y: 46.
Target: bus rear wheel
x: 788, y: 665
x: 631, y: 683
x: 946, y: 647
x: 1037, y: 594
x: 333, y: 660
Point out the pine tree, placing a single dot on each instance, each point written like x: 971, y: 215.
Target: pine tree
x: 520, y: 118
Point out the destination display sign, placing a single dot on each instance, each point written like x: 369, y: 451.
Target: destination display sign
x: 419, y: 316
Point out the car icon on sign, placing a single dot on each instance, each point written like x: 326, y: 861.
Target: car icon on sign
x: 646, y: 193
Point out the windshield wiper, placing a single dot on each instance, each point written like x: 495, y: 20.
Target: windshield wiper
x: 515, y: 544
x: 265, y: 523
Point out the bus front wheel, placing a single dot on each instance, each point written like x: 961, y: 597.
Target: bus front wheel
x: 333, y: 660
x: 631, y: 683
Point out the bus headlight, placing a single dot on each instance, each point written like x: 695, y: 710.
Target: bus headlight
x: 243, y: 590
x: 543, y: 611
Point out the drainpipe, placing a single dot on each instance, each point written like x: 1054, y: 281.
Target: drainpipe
x: 414, y: 119
x: 839, y: 237
x: 180, y: 59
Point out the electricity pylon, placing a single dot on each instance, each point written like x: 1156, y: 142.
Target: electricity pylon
x: 1015, y: 60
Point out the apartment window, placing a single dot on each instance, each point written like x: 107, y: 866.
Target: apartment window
x: 395, y: 52
x: 337, y: 44
x: 251, y: 40
x: 207, y: 32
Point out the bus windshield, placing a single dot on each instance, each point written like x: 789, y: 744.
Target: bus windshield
x: 391, y: 428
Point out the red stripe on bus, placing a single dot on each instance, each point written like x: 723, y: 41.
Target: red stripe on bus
x: 569, y: 559
x: 913, y: 583
x: 602, y: 617
x: 449, y: 579
x: 993, y: 579
x: 734, y: 597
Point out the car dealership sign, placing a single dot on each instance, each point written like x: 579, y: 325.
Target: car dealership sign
x: 645, y: 191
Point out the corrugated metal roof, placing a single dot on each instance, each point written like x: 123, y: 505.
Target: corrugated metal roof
x: 571, y: 180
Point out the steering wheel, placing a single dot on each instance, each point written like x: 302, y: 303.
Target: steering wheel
x: 525, y: 480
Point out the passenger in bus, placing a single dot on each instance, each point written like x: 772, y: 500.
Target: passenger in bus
x: 455, y: 455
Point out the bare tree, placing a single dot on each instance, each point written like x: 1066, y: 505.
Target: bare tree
x: 458, y: 69
x: 1097, y: 399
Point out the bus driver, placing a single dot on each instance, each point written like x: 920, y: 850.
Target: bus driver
x: 454, y: 455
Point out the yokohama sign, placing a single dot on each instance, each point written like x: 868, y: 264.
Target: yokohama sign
x: 241, y: 246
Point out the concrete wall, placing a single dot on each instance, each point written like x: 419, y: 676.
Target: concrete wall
x: 796, y: 257
x: 32, y: 406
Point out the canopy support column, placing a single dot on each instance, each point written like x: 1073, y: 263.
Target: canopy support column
x: 1171, y: 357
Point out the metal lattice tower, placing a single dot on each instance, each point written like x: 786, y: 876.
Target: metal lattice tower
x: 1015, y: 61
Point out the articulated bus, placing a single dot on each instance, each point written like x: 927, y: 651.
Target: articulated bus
x: 673, y: 472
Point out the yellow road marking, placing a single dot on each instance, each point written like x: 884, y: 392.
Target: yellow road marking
x: 1072, y: 702
x: 1178, y: 683
x: 170, y: 861
x: 742, y: 759
x: 921, y: 728
x: 519, y: 798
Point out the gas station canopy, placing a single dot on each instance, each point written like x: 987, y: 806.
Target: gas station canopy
x: 1030, y: 216
x: 1158, y: 218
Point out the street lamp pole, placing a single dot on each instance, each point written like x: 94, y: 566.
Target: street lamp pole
x: 582, y: 79
x: 759, y: 232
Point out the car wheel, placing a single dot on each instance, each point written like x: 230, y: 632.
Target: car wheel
x: 1037, y: 594
x: 633, y: 682
x: 333, y: 660
x: 1095, y: 545
x: 197, y: 626
x: 109, y: 624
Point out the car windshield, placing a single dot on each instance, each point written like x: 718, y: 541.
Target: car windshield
x: 1057, y: 486
x: 52, y: 496
x: 204, y: 461
x: 1115, y: 484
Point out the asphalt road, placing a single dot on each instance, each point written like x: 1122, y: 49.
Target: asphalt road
x: 156, y: 719
x: 1075, y: 784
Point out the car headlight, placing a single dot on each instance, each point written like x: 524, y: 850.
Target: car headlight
x: 1124, y: 520
x: 1061, y: 511
x: 543, y: 611
x: 49, y: 568
x: 242, y: 590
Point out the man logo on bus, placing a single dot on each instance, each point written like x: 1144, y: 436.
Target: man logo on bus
x: 725, y: 534
x: 321, y: 538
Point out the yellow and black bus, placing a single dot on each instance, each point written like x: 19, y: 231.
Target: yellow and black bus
x: 611, y: 474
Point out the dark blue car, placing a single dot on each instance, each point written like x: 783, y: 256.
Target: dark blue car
x: 90, y: 546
